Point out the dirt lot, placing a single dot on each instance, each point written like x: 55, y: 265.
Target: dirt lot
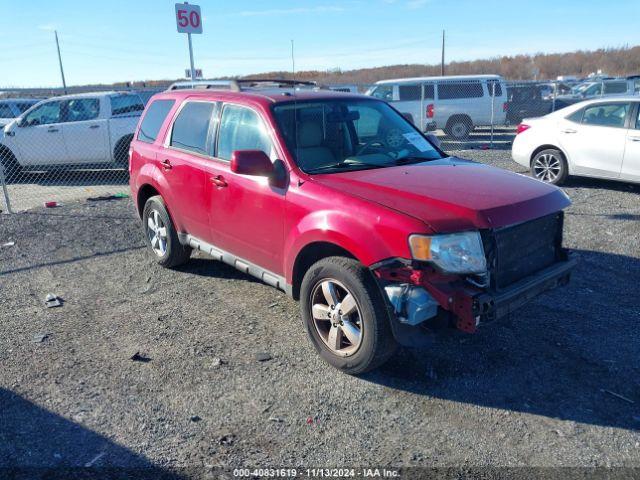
x: 558, y: 384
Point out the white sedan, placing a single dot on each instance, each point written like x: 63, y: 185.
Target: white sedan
x: 597, y: 138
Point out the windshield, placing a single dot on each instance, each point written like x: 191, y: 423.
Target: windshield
x: 328, y: 136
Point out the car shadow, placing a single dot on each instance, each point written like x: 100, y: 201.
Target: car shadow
x: 597, y: 183
x: 37, y: 443
x: 573, y: 354
x: 205, y: 266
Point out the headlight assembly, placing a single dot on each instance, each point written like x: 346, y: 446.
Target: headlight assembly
x: 453, y: 253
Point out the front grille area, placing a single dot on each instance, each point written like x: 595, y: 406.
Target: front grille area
x: 517, y: 251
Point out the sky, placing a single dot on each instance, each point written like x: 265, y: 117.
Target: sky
x: 108, y: 41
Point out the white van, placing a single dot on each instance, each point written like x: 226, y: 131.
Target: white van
x: 455, y: 104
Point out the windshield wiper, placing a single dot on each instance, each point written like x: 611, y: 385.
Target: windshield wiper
x: 342, y: 166
x: 410, y: 159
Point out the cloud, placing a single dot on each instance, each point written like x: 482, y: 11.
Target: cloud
x: 292, y: 11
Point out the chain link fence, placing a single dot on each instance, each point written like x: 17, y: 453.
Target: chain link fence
x: 62, y: 148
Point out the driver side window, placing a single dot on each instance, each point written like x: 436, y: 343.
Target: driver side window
x: 50, y: 112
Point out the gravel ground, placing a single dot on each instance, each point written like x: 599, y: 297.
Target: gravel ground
x: 557, y: 384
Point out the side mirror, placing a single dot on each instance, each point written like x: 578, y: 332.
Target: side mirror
x: 251, y: 162
x: 433, y: 139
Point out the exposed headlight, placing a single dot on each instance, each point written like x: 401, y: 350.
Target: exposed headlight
x: 453, y: 253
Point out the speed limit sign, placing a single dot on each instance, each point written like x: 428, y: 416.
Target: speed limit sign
x: 188, y: 18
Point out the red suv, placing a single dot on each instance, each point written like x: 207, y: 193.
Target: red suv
x: 342, y: 203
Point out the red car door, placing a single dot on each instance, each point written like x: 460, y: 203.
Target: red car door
x: 246, y: 212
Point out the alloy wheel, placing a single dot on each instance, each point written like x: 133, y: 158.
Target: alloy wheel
x: 336, y: 317
x: 547, y: 167
x: 157, y: 232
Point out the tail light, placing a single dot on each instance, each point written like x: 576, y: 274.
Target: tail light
x: 522, y: 127
x: 505, y: 105
x: 430, y: 110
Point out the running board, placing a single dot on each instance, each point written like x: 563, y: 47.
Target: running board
x: 245, y: 266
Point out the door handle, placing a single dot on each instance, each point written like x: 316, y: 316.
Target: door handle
x: 94, y: 126
x: 219, y: 181
x: 568, y: 130
x: 53, y: 130
x: 166, y: 164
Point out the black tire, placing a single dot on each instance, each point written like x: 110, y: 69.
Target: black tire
x: 459, y: 128
x: 377, y: 343
x: 175, y: 253
x: 121, y: 151
x: 12, y: 169
x: 556, y: 170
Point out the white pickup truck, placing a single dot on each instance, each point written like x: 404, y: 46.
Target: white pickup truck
x: 91, y: 130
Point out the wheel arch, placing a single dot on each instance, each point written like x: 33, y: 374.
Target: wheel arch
x: 120, y: 152
x: 459, y: 116
x: 310, y: 254
x: 145, y: 192
x: 7, y: 151
x: 548, y: 146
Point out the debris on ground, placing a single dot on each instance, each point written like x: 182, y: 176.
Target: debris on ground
x: 139, y: 357
x: 39, y: 337
x: 104, y: 198
x: 274, y: 304
x: 52, y: 300
x: 276, y: 419
x: 195, y: 418
x: 92, y: 462
x: 217, y: 361
x: 8, y: 244
x: 617, y: 395
x: 227, y: 440
x: 263, y: 356
x: 52, y: 204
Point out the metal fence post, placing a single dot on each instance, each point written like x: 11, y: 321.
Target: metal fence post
x: 493, y: 104
x: 5, y: 192
x: 422, y: 107
x: 554, y: 94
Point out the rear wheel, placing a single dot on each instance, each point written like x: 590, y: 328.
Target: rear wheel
x: 459, y: 128
x: 121, y: 151
x: 161, y: 235
x: 549, y: 166
x: 345, y: 315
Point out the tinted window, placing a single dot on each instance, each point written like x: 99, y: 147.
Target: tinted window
x: 5, y: 111
x: 123, y: 104
x: 81, y: 109
x: 383, y: 92
x: 191, y: 128
x: 606, y: 115
x: 241, y: 129
x: 494, y: 84
x: 576, y: 116
x: 410, y: 92
x: 615, y: 87
x: 454, y: 90
x: 45, y: 114
x: 153, y: 120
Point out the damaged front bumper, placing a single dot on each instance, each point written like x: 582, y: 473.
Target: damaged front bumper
x: 467, y: 305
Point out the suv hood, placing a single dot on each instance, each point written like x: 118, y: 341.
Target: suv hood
x: 452, y: 194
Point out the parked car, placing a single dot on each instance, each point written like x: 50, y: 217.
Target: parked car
x: 601, y: 88
x: 555, y: 89
x: 338, y: 200
x: 14, y: 107
x: 88, y: 129
x: 455, y: 104
x: 596, y: 138
x: 525, y: 101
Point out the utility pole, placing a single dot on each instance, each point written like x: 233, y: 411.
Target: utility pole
x: 442, y: 61
x: 64, y: 83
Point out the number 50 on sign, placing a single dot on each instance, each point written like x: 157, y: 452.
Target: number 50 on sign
x: 188, y: 18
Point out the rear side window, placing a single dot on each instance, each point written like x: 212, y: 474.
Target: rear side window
x: 123, y: 104
x: 191, y: 127
x: 414, y: 92
x: 82, y: 109
x: 615, y: 87
x: 241, y: 129
x: 606, y: 114
x: 5, y: 111
x: 494, y: 84
x: 455, y: 90
x: 153, y: 120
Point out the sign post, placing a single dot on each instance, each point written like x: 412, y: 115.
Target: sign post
x: 189, y: 20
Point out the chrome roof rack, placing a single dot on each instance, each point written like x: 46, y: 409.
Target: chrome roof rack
x: 240, y: 84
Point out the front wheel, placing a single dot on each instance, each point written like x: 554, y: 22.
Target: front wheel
x: 550, y: 166
x: 161, y: 235
x: 345, y: 315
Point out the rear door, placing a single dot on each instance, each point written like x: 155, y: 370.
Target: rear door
x: 185, y: 164
x: 631, y: 161
x: 85, y: 132
x: 594, y: 138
